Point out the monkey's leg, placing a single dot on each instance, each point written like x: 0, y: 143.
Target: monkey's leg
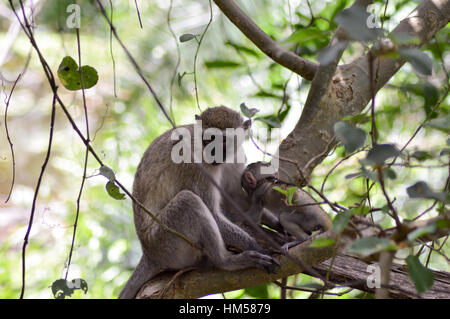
x: 188, y: 214
x: 235, y: 236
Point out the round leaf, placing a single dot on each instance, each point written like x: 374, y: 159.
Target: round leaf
x: 371, y: 245
x: 114, y: 191
x: 418, y: 59
x: 69, y: 75
x: 186, y: 37
x: 352, y: 137
x: 247, y: 111
x: 422, y: 277
x: 422, y: 190
x: 108, y: 173
x: 380, y: 153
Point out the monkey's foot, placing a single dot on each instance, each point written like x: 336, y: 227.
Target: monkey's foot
x: 285, y: 248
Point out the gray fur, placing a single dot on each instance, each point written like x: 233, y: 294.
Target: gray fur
x: 299, y: 221
x: 184, y: 198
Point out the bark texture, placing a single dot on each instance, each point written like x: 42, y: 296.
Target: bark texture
x: 348, y: 93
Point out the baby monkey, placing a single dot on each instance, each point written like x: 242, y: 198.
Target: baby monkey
x: 299, y: 219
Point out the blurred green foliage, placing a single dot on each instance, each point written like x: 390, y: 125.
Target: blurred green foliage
x: 106, y: 248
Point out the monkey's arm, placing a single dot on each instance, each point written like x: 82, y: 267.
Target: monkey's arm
x: 234, y: 236
x: 269, y: 219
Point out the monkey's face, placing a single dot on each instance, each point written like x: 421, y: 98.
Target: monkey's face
x: 223, y: 146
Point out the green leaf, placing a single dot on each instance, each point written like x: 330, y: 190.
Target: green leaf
x: 371, y: 245
x: 69, y: 74
x: 404, y: 38
x: 422, y: 190
x: 352, y: 175
x: 389, y: 173
x: 309, y: 34
x: 418, y: 59
x: 80, y: 283
x: 442, y: 124
x: 281, y: 190
x: 358, y: 118
x: 271, y: 121
x: 114, y: 191
x: 186, y: 37
x: 108, y: 173
x: 419, y: 232
x: 421, y: 155
x: 341, y: 221
x: 291, y: 192
x: 354, y: 21
x: 361, y: 210
x: 242, y: 49
x: 260, y: 292
x: 352, y: 137
x: 322, y: 242
x: 443, y: 223
x: 248, y: 112
x: 372, y: 175
x: 61, y: 289
x: 218, y: 64
x: 380, y: 153
x: 266, y: 94
x: 431, y: 97
x: 422, y: 277
x: 311, y: 285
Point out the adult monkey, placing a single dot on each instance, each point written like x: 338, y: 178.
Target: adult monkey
x: 173, y: 182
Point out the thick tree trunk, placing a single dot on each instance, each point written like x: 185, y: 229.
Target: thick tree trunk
x: 347, y: 94
x: 352, y: 271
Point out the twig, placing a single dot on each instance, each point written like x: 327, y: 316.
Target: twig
x: 373, y: 130
x: 51, y: 80
x: 111, y: 50
x: 386, y: 196
x: 198, y: 49
x: 9, y: 139
x: 36, y: 192
x: 266, y: 44
x: 77, y: 214
x: 336, y: 165
x: 134, y: 63
x: 138, y: 13
x: 172, y: 80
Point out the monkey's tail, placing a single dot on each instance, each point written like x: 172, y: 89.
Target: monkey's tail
x: 140, y: 276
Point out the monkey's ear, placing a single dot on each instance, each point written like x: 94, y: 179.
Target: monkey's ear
x: 246, y: 125
x: 250, y: 179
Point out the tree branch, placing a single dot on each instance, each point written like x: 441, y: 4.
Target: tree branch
x: 201, y: 282
x: 349, y: 271
x: 288, y: 59
x: 349, y: 93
